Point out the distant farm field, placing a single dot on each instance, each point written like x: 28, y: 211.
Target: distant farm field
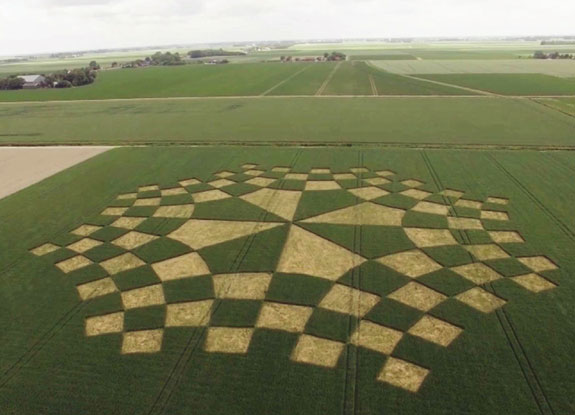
x: 560, y: 68
x: 433, y: 120
x: 511, y: 84
x: 204, y: 274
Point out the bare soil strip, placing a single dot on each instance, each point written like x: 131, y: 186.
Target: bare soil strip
x: 289, y: 78
x: 373, y: 85
x: 24, y: 166
x: 478, y: 91
x: 329, y: 77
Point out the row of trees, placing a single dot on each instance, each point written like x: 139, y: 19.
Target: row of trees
x: 208, y: 53
x: 554, y: 55
x: 60, y: 79
x: 157, y: 59
x: 12, y: 82
x: 330, y: 57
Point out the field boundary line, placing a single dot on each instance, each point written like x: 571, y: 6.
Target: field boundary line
x: 373, y: 85
x: 528, y: 372
x: 289, y: 78
x: 538, y: 101
x: 323, y: 86
x: 478, y: 91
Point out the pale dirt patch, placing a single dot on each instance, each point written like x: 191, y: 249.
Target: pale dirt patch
x: 148, y: 188
x: 347, y: 300
x: 84, y: 245
x: 145, y: 341
x: 497, y: 200
x: 317, y: 351
x: 538, y: 263
x: 143, y: 297
x: 432, y: 208
x: 209, y: 196
x: 221, y: 183
x: 86, y: 230
x: 436, y: 331
x: 121, y: 263
x: 73, y: 264
x: 261, y: 181
x: 359, y: 170
x: 189, y: 182
x: 403, y: 374
x: 377, y: 181
x: 225, y: 174
x: 368, y: 193
x: 481, y: 300
x: 114, y: 211
x: 451, y: 193
x: 96, y: 289
x: 506, y: 237
x: 198, y: 234
x: 322, y: 185
x: 228, y: 340
x: 242, y: 286
x: 284, y: 317
x: 249, y: 166
x: 192, y: 314
x: 344, y: 176
x: 44, y: 249
x: 410, y: 263
x: 175, y: 211
x: 128, y: 222
x: 534, y: 283
x: 107, y: 324
x: 426, y: 238
x: 412, y: 183
x: 415, y: 194
x: 320, y: 171
x: 127, y: 196
x: 385, y: 173
x: 487, y: 252
x: 21, y: 167
x: 282, y: 203
x: 464, y: 223
x: 363, y: 214
x: 309, y: 254
x: 477, y: 273
x: 376, y: 337
x: 296, y: 176
x: 470, y: 204
x: 150, y: 201
x: 417, y: 296
x: 185, y: 266
x: 133, y: 240
x: 254, y: 172
x: 174, y: 191
x: 281, y: 169
x: 493, y: 215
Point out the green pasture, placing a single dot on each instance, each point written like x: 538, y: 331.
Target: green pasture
x: 514, y: 360
x: 565, y: 105
x: 511, y: 84
x: 403, y: 121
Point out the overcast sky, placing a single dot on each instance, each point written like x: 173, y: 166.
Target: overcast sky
x: 32, y: 26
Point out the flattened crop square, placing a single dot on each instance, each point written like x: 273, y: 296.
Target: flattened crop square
x: 376, y: 337
x: 347, y: 300
x: 122, y: 263
x: 97, y: 288
x: 175, y: 211
x: 106, y: 324
x: 242, y: 286
x: 494, y: 215
x: 317, y: 351
x: 73, y: 264
x: 114, y: 211
x: 481, y: 300
x: 45, y: 249
x: 128, y: 222
x: 85, y: 230
x: 403, y: 374
x: 506, y: 237
x: 185, y: 266
x: 285, y: 317
x: 228, y: 340
x: 143, y: 297
x: 218, y: 184
x: 410, y: 263
x: 377, y: 181
x: 151, y: 201
x: 417, y: 296
x: 538, y: 263
x: 133, y: 240
x: 426, y: 238
x: 487, y: 252
x: 190, y: 314
x: 322, y: 185
x: 84, y: 245
x: 145, y: 341
x: 412, y: 183
x: 534, y: 283
x: 368, y: 193
x: 477, y: 273
x: 415, y: 194
x: 209, y: 196
x: 436, y: 331
x: 464, y: 223
x: 470, y: 204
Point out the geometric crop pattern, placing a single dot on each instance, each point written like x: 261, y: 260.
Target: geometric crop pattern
x: 433, y: 229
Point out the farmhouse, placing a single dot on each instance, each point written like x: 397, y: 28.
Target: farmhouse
x: 32, y: 81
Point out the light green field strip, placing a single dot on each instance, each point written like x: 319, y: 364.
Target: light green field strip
x: 559, y: 68
x: 373, y: 85
x: 477, y: 121
x: 478, y: 91
x: 289, y: 78
x: 329, y: 78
